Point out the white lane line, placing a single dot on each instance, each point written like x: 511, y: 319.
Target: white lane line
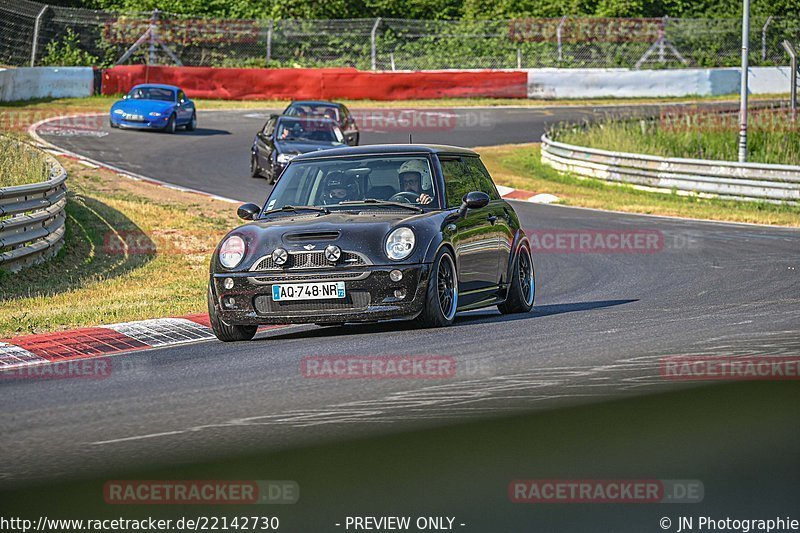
x: 32, y: 131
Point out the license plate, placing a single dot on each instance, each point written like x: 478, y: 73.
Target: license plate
x: 308, y: 291
x: 137, y: 118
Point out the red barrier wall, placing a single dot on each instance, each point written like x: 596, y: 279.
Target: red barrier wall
x: 297, y: 84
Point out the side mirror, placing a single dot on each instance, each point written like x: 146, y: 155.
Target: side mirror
x: 473, y: 200
x: 248, y: 211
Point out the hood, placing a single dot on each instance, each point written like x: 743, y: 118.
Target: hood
x: 365, y: 232
x: 303, y: 147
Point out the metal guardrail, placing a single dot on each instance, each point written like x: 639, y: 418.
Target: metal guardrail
x: 744, y: 181
x: 32, y: 219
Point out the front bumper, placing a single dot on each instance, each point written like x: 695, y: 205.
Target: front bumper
x: 157, y: 123
x: 370, y: 296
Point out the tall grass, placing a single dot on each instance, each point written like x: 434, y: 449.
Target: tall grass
x: 773, y: 136
x: 21, y: 164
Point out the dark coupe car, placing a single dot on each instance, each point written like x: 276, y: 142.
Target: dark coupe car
x: 372, y: 233
x: 283, y: 138
x: 324, y: 109
x: 154, y: 107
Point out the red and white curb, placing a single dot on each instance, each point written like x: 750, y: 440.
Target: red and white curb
x: 84, y: 343
x: 526, y: 196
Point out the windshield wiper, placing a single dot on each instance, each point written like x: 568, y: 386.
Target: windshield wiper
x: 299, y: 208
x: 373, y: 201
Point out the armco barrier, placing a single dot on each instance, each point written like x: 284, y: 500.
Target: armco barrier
x: 45, y: 82
x: 32, y: 219
x: 253, y: 84
x: 750, y: 181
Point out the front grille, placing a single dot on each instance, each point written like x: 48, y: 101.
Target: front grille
x: 301, y: 260
x: 354, y: 301
x: 291, y: 277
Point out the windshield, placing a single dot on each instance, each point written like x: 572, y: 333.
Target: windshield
x: 152, y: 93
x: 315, y: 110
x: 406, y: 179
x: 289, y: 129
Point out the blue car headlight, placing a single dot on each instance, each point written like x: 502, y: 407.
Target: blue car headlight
x: 119, y: 111
x: 155, y: 114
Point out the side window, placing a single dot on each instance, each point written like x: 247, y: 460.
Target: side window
x: 458, y: 180
x: 482, y: 177
x: 181, y: 96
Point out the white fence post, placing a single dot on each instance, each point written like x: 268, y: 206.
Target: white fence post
x: 36, y: 27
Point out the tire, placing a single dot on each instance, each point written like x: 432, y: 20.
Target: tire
x: 441, y: 297
x: 192, y: 124
x: 522, y: 291
x: 170, y: 127
x: 221, y: 330
x: 254, y: 171
x: 111, y: 123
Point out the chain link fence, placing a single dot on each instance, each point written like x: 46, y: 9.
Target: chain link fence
x: 33, y: 33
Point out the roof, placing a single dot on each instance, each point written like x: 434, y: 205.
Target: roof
x: 315, y: 102
x: 157, y: 86
x: 387, y: 149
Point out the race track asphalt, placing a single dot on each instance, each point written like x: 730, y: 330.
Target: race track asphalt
x: 601, y: 325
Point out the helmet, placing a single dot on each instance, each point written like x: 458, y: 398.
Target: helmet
x: 338, y: 181
x: 421, y: 167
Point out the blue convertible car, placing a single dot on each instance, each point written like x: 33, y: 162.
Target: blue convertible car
x: 154, y: 107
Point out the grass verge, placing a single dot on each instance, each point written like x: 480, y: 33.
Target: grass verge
x: 132, y: 251
x: 21, y: 164
x: 773, y: 136
x: 520, y: 166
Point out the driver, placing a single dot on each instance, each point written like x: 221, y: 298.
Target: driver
x: 338, y: 187
x: 410, y: 174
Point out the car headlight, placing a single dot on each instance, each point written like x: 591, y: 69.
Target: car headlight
x: 155, y: 114
x: 119, y: 111
x: 232, y: 251
x: 400, y: 243
x: 285, y: 158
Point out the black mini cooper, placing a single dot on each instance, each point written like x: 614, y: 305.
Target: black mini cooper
x: 369, y: 233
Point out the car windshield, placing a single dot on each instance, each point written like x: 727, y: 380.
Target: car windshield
x: 313, y: 110
x: 152, y: 93
x: 289, y: 129
x: 334, y: 182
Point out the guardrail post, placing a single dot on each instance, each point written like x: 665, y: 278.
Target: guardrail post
x: 373, y: 43
x: 36, y: 26
x: 793, y: 89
